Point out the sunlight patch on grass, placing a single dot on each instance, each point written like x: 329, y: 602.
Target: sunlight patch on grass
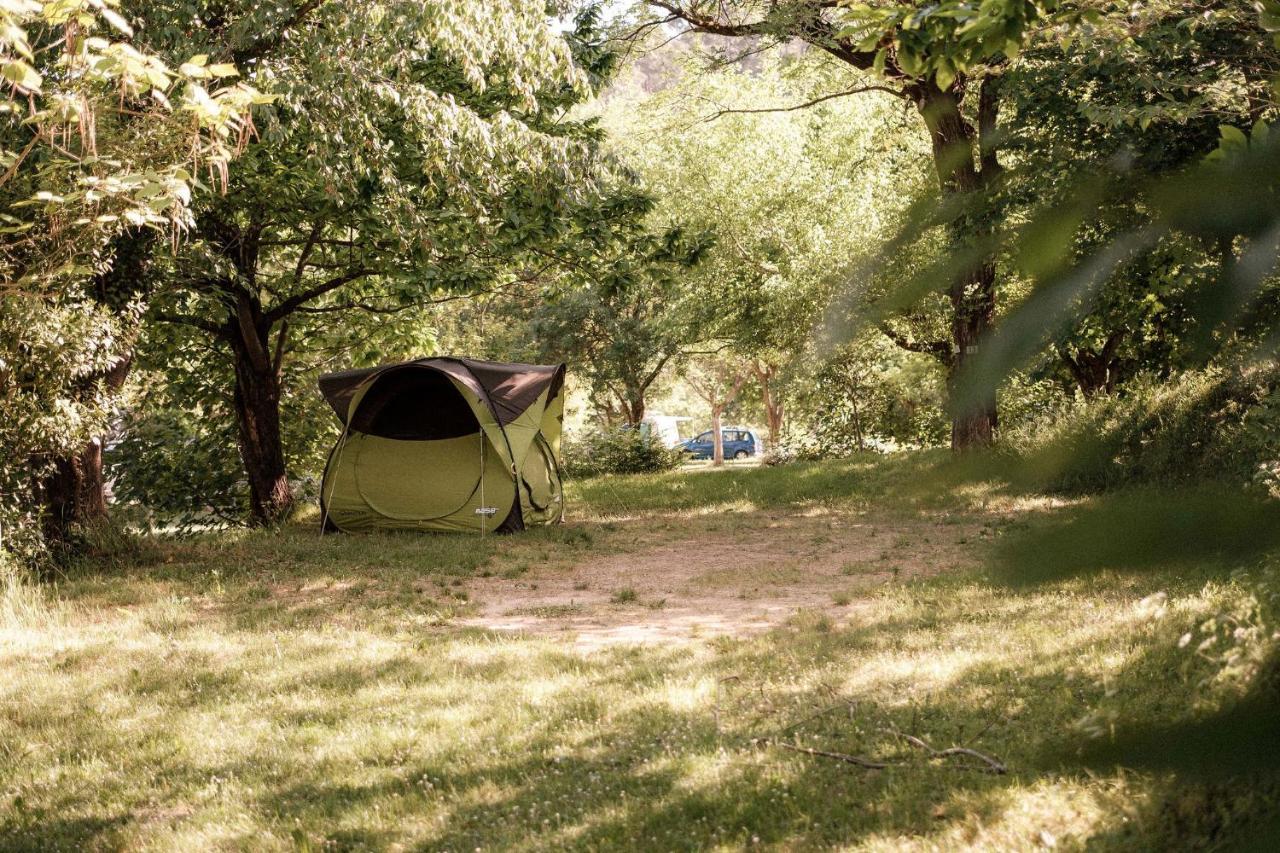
x: 311, y: 692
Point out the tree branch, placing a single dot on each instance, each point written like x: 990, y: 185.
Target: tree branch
x: 419, y: 303
x: 653, y: 374
x: 856, y: 90
x: 838, y: 756
x: 293, y: 303
x: 993, y: 765
x: 185, y: 320
x: 1111, y: 345
x: 263, y: 46
x: 307, y: 248
x: 940, y: 350
x: 815, y: 30
x: 253, y: 344
x: 283, y: 335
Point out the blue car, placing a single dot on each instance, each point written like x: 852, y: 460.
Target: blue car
x: 738, y: 444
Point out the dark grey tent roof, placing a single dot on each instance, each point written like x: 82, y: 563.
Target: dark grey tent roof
x: 509, y: 387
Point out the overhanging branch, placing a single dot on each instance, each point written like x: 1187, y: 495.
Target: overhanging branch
x: 940, y: 350
x: 856, y: 90
x: 293, y: 303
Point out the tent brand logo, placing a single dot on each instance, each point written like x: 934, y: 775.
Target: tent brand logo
x: 486, y: 510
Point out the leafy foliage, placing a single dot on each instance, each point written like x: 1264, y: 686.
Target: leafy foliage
x: 50, y: 350
x: 866, y: 395
x: 1197, y: 427
x: 99, y: 138
x: 616, y: 450
x: 98, y: 135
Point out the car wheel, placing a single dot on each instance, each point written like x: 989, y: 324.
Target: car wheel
x: 741, y: 454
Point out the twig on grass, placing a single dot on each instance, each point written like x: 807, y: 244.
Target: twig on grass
x: 993, y: 765
x: 838, y: 756
x: 809, y: 719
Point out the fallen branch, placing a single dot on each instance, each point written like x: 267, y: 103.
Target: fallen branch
x: 838, y: 756
x: 993, y: 765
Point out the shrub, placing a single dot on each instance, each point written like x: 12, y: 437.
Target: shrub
x: 616, y: 451
x: 53, y: 355
x: 1212, y: 424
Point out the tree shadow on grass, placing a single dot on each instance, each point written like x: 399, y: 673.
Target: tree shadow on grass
x: 613, y: 761
x: 1139, y: 531
x: 493, y: 736
x: 665, y: 778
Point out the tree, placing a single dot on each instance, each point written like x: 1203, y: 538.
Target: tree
x: 1127, y: 101
x: 617, y: 315
x: 99, y: 146
x: 940, y: 60
x: 717, y: 379
x: 781, y: 226
x: 412, y: 150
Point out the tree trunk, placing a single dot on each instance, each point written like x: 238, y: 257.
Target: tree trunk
x: 973, y: 421
x: 857, y: 424
x: 1095, y: 372
x: 972, y: 294
x: 74, y: 494
x: 773, y: 405
x: 633, y: 409
x: 257, y: 405
x: 717, y: 437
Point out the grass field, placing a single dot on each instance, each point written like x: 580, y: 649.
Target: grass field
x: 277, y: 690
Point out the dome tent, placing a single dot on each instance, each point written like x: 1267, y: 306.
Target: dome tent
x: 448, y: 444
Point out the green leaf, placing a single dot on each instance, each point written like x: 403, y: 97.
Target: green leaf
x: 116, y: 20
x: 944, y: 75
x: 1233, y: 135
x: 909, y: 62
x: 877, y: 64
x: 223, y: 69
x: 21, y: 74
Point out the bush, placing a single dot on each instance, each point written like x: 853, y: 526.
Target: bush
x: 1202, y: 425
x: 616, y: 451
x: 53, y: 355
x: 868, y: 395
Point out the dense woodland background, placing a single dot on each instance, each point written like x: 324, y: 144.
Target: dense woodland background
x: 816, y: 221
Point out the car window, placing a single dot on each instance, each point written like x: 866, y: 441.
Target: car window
x: 732, y: 435
x: 706, y: 436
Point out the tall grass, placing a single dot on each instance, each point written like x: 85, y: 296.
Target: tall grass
x: 1212, y: 425
x: 23, y: 602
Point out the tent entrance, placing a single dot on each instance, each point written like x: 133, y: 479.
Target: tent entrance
x: 420, y: 452
x: 414, y: 404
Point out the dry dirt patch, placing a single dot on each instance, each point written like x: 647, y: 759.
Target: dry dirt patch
x: 686, y: 582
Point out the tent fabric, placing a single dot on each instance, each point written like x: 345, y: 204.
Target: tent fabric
x: 510, y: 387
x: 445, y: 444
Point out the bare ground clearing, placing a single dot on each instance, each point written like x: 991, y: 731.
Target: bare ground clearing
x: 685, y: 582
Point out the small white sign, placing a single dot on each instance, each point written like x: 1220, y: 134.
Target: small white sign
x: 487, y: 510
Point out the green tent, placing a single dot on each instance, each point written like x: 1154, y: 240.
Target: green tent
x: 445, y: 444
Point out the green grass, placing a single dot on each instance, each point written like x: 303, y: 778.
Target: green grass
x: 844, y: 483
x: 277, y: 690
